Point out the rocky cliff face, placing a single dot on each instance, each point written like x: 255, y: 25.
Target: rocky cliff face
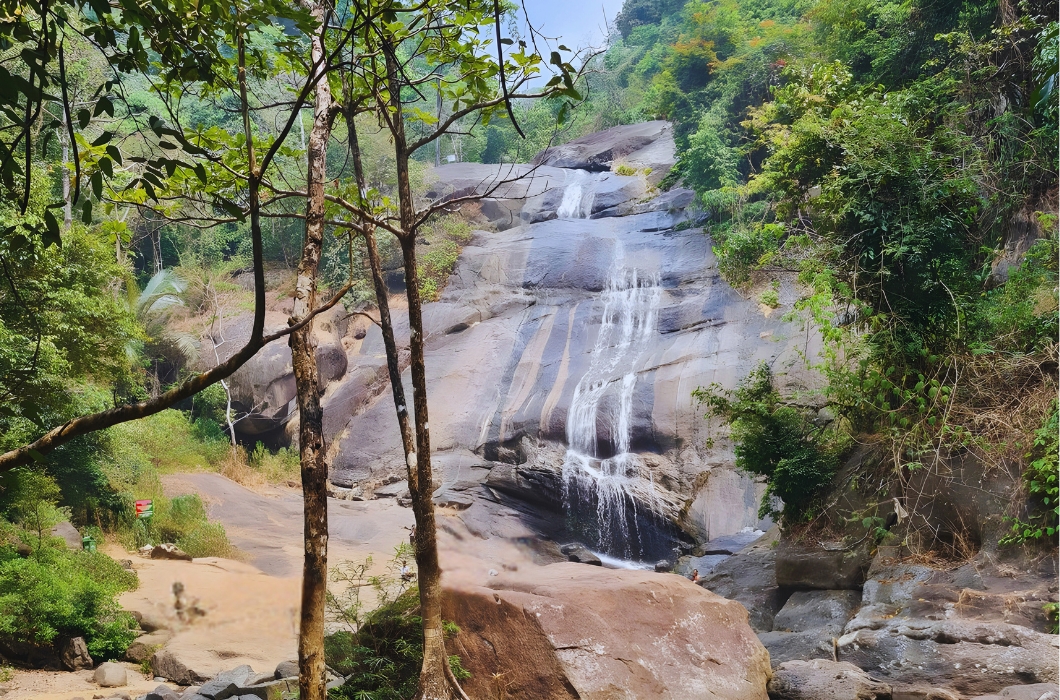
x: 563, y: 354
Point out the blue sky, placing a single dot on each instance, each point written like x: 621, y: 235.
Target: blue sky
x: 578, y: 22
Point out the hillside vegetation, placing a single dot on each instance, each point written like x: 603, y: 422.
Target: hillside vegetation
x: 900, y: 160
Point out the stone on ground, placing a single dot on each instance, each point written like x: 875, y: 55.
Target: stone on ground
x: 110, y: 675
x: 74, y: 654
x: 166, y: 665
x: 146, y: 645
x: 287, y: 669
x: 169, y: 551
x: 1034, y: 691
x: 218, y: 689
x: 162, y: 692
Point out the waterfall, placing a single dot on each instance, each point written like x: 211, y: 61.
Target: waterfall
x: 571, y: 206
x: 599, y: 489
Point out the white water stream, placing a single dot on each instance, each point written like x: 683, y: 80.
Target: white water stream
x: 575, y: 205
x: 603, y: 401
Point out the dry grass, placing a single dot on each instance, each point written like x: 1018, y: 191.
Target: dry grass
x: 260, y: 468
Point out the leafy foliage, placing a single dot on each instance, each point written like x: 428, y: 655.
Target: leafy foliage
x: 379, y: 650
x: 58, y: 593
x: 1041, y: 479
x: 886, y: 154
x: 54, y: 592
x: 776, y: 441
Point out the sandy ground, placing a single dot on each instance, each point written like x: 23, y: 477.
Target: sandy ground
x: 251, y: 606
x: 49, y: 685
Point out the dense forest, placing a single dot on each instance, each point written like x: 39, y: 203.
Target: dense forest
x: 894, y: 162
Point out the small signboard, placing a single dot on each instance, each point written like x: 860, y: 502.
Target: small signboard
x: 144, y: 509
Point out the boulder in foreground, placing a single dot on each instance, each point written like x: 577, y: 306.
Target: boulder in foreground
x: 571, y: 631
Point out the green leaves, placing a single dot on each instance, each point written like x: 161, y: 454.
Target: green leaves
x: 776, y: 441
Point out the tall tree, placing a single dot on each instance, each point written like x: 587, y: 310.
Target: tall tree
x: 404, y: 47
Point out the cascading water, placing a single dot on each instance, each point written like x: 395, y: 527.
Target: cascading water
x: 599, y: 490
x: 571, y: 206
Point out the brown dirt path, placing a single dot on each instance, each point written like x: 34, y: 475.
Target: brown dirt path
x: 252, y: 606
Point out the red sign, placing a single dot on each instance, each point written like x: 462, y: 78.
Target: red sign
x: 144, y: 509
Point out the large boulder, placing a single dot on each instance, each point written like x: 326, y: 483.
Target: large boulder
x: 570, y: 631
x: 1034, y: 691
x: 825, y: 680
x: 264, y: 387
x: 142, y: 649
x: 69, y: 533
x: 286, y: 669
x: 808, y: 625
x: 920, y: 625
x: 166, y: 664
x: 803, y: 566
x: 972, y: 657
x: 749, y: 577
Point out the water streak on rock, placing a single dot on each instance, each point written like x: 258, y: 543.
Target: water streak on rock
x: 599, y: 489
x: 572, y: 204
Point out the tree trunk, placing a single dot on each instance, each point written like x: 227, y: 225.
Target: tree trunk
x: 68, y: 205
x: 386, y: 325
x: 436, y: 678
x: 311, y: 677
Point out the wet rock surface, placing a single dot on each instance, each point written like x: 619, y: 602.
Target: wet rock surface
x: 514, y: 334
x: 518, y: 328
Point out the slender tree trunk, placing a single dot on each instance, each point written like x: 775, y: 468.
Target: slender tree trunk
x: 68, y: 205
x: 311, y: 677
x: 386, y: 325
x: 436, y: 678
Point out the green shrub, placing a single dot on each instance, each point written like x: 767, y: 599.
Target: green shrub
x: 776, y: 441
x: 382, y: 659
x: 1043, y: 489
x: 277, y: 467
x: 181, y: 520
x: 30, y: 498
x: 168, y: 441
x: 626, y: 170
x: 770, y: 297
x: 57, y: 593
x: 381, y: 650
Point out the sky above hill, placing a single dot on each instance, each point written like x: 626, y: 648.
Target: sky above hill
x: 578, y: 22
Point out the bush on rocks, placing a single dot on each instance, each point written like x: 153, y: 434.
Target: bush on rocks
x: 379, y: 652
x: 56, y: 594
